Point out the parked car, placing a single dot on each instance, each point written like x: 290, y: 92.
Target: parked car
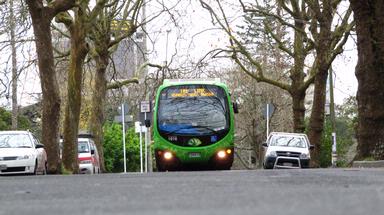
x: 89, y: 161
x: 287, y: 150
x: 21, y: 153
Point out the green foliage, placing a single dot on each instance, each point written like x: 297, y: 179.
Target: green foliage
x: 113, y: 149
x: 6, y: 121
x: 325, y: 159
x: 344, y: 139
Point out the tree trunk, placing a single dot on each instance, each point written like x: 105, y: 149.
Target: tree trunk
x: 316, y: 122
x: 298, y: 108
x: 369, y: 16
x: 98, y: 103
x: 41, y: 20
x: 79, y: 51
x: 14, y: 66
x: 321, y: 65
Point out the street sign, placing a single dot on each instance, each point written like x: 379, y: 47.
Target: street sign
x: 139, y: 128
x: 126, y: 109
x: 268, y: 110
x: 145, y: 107
x: 127, y: 118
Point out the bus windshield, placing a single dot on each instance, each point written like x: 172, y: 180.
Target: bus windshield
x: 193, y: 109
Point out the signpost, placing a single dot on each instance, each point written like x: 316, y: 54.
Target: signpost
x: 145, y: 107
x: 139, y: 129
x: 269, y: 108
x: 123, y: 109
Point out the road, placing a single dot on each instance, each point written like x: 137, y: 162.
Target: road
x: 309, y: 191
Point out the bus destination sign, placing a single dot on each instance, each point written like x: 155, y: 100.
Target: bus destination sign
x: 197, y: 92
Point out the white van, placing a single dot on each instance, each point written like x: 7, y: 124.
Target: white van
x: 89, y: 161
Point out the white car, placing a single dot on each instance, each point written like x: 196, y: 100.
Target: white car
x: 287, y: 150
x: 21, y: 153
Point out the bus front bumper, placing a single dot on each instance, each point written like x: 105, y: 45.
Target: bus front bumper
x: 218, y: 159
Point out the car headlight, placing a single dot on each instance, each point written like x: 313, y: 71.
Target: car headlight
x: 1, y: 158
x: 272, y: 154
x: 304, y: 155
x: 25, y: 157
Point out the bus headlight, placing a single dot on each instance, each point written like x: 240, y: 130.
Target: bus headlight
x: 167, y: 155
x: 221, y: 154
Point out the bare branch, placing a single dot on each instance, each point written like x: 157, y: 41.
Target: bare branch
x: 120, y: 84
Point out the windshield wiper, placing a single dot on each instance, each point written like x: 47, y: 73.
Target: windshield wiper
x: 24, y: 147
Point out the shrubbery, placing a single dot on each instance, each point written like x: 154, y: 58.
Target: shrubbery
x: 113, y: 148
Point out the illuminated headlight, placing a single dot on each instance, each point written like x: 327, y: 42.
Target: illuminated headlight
x: 304, y: 156
x: 221, y: 154
x: 168, y: 155
x: 272, y: 154
x: 25, y: 157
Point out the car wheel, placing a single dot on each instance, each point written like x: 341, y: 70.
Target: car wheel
x: 266, y: 167
x: 35, y: 169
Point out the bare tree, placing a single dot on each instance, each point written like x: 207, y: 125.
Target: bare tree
x: 42, y: 15
x: 79, y: 27
x: 314, y: 36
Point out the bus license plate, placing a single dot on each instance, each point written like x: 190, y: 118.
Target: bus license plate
x: 194, y: 155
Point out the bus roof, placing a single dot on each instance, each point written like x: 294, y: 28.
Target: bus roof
x: 192, y: 81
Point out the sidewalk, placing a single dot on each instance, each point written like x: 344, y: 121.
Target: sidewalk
x: 368, y: 164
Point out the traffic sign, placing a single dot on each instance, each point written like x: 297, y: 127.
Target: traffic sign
x: 268, y: 110
x: 145, y: 107
x: 126, y: 109
x: 127, y: 118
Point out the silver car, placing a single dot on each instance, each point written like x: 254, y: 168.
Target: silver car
x: 21, y: 153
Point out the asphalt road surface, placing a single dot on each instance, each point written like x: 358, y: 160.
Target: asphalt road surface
x: 309, y: 191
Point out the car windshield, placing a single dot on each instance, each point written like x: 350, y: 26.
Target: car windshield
x: 83, y: 147
x: 15, y: 141
x: 287, y: 141
x: 191, y: 109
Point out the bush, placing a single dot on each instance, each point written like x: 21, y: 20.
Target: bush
x: 6, y: 121
x: 113, y: 149
x: 344, y: 139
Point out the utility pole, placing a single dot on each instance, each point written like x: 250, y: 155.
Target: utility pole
x: 332, y: 117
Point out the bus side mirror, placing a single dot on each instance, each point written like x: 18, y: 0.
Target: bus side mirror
x: 147, y: 123
x: 235, y: 107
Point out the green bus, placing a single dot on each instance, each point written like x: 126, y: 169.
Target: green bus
x: 193, y: 125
